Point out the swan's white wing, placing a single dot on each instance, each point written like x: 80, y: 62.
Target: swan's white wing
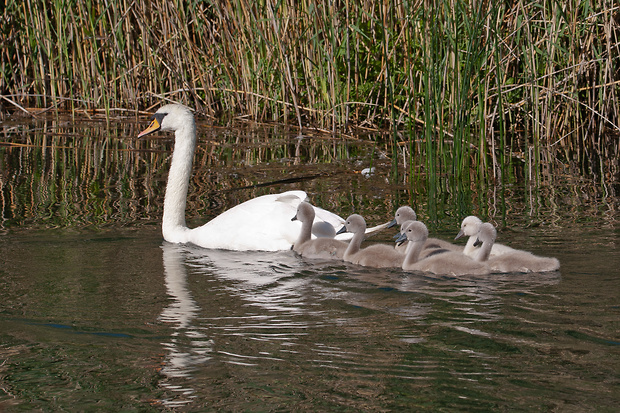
x: 323, y: 215
x: 261, y: 224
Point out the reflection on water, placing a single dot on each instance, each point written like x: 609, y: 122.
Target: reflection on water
x: 188, y: 347
x: 96, y: 311
x: 195, y: 330
x: 269, y: 316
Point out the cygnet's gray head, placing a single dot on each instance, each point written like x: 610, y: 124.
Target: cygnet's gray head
x: 415, y: 231
x: 355, y: 223
x: 403, y: 214
x: 305, y: 212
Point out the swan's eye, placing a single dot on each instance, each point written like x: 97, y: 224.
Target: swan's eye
x: 159, y: 117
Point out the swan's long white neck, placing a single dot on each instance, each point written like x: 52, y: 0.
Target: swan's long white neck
x: 174, y: 228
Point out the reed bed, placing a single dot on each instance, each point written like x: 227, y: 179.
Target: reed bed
x: 56, y: 173
x: 467, y: 88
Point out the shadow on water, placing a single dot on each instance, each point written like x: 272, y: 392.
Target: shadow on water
x: 98, y: 311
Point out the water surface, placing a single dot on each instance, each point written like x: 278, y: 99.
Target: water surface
x: 98, y: 313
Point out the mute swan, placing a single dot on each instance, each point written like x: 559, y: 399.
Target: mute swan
x: 406, y: 213
x: 513, y: 261
x: 262, y: 223
x: 446, y: 263
x: 378, y: 255
x: 323, y: 248
x: 470, y: 227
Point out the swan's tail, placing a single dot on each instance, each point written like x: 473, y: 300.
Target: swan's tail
x: 377, y: 228
x: 345, y: 236
x: 324, y: 217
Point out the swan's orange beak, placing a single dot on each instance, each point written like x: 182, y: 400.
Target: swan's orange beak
x: 153, y: 127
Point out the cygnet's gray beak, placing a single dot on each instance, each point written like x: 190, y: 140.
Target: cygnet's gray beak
x: 401, y: 238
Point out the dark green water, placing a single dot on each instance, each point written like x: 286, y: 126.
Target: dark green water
x: 98, y: 314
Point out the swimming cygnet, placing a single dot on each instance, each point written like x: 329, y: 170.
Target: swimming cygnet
x: 406, y: 213
x: 514, y: 261
x: 321, y: 247
x: 403, y: 214
x: 445, y: 263
x: 470, y: 227
x: 378, y: 255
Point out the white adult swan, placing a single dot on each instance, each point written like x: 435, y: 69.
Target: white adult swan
x: 514, y: 261
x: 262, y: 224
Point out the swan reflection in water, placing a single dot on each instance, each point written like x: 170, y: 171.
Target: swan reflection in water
x: 187, y: 347
x: 266, y: 280
x: 267, y: 307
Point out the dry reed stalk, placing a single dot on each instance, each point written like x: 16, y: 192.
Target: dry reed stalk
x: 508, y: 80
